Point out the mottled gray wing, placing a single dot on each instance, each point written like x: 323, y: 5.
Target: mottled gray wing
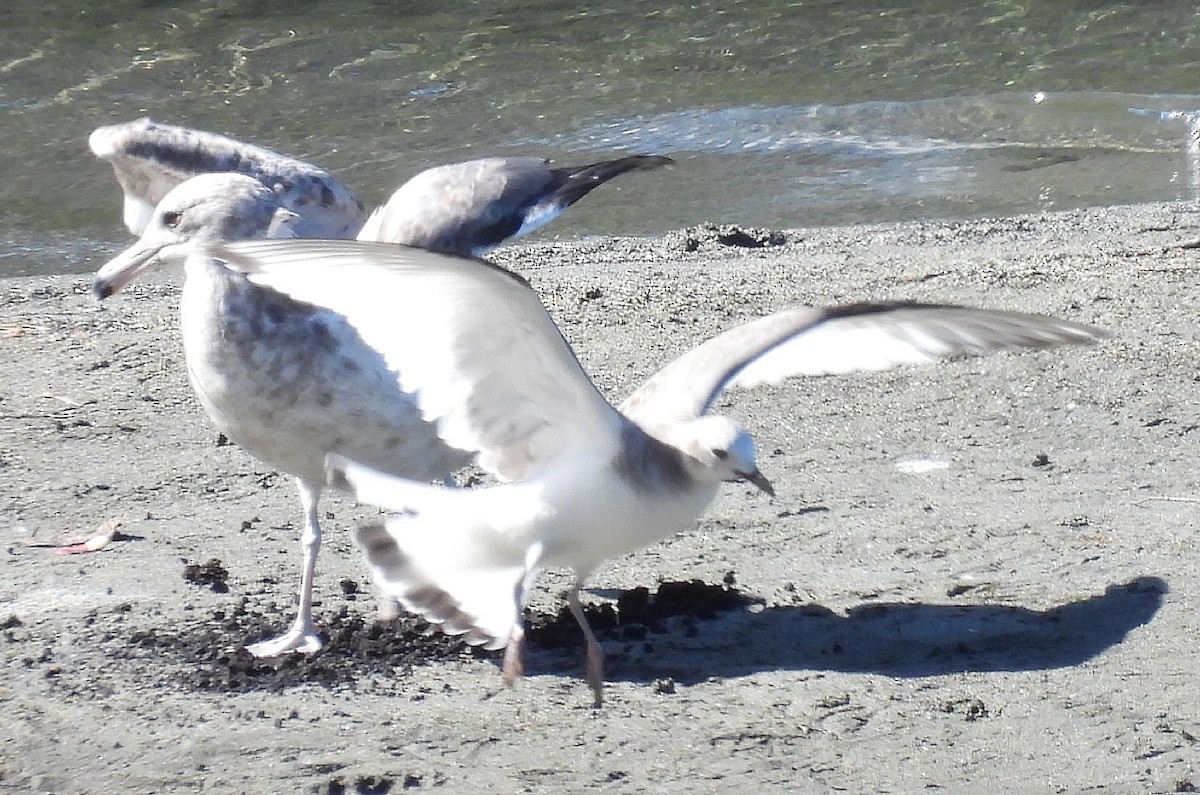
x: 469, y: 339
x: 827, y: 341
x: 150, y: 159
x: 467, y: 208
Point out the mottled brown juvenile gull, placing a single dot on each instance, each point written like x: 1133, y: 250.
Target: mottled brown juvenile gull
x: 585, y: 481
x: 287, y: 380
x: 463, y: 208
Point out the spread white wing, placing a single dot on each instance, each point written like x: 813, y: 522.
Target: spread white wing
x: 468, y: 338
x: 827, y: 341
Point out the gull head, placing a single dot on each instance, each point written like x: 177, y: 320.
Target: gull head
x: 722, y: 451
x: 205, y: 208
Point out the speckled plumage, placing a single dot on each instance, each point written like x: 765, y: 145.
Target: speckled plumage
x: 289, y: 381
x: 459, y: 208
x: 150, y: 159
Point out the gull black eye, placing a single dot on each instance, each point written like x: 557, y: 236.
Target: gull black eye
x: 720, y: 453
x: 170, y: 219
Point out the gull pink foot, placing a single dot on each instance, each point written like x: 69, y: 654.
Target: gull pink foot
x: 595, y: 671
x: 513, y: 668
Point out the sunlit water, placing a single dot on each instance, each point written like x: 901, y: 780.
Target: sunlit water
x: 779, y: 114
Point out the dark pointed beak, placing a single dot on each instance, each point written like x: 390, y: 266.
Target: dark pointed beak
x: 760, y: 480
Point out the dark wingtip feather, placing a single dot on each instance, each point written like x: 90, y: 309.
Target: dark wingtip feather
x: 575, y: 182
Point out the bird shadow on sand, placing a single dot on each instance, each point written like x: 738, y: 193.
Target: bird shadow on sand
x: 687, y: 632
x: 893, y: 639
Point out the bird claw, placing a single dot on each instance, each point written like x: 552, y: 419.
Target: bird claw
x: 295, y: 641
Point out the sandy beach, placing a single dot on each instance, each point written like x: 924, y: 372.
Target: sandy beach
x: 979, y: 576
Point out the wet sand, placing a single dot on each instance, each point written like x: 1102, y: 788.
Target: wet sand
x: 979, y: 576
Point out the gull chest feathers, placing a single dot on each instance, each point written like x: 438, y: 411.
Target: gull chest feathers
x: 581, y: 481
x: 283, y: 379
x: 608, y: 505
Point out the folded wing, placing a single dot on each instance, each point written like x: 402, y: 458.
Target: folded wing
x: 467, y: 208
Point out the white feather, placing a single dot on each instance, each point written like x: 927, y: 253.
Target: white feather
x: 806, y: 341
x: 470, y: 340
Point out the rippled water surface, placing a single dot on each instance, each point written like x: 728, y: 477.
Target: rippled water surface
x: 779, y: 114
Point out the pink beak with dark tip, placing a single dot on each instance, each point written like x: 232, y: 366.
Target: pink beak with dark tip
x: 124, y: 268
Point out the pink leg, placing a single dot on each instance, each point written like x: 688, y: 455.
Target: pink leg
x: 513, y: 668
x: 595, y: 654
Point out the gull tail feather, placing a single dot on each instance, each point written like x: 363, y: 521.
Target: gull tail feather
x: 442, y: 558
x: 376, y: 488
x: 482, y: 603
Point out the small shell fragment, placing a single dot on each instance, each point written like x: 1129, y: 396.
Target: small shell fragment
x: 99, y: 540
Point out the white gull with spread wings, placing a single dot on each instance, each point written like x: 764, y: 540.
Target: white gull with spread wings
x: 585, y: 481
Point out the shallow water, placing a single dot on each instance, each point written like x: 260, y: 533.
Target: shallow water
x: 779, y: 114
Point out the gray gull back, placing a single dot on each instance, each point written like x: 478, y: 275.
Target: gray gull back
x: 468, y: 208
